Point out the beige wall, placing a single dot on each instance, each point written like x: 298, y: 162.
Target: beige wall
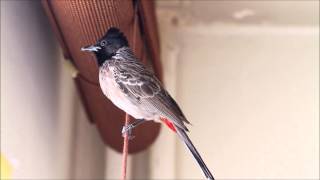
x: 247, y: 77
x: 44, y: 131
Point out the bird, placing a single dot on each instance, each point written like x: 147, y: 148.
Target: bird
x: 130, y: 86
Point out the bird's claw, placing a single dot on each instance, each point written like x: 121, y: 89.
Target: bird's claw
x: 127, y: 130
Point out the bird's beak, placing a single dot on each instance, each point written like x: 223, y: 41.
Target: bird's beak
x: 92, y: 48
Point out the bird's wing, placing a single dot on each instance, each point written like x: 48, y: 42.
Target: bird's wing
x: 143, y: 87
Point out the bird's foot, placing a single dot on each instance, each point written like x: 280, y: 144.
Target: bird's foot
x: 127, y: 130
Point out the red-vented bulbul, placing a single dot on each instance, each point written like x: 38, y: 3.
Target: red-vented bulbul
x: 136, y: 90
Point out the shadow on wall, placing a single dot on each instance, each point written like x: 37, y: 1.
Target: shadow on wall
x: 44, y: 131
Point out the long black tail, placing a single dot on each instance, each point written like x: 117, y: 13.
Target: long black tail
x: 183, y: 135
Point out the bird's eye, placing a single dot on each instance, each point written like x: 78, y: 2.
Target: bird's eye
x: 103, y: 43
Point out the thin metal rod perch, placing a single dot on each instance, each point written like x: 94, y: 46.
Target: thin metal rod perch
x: 127, y: 118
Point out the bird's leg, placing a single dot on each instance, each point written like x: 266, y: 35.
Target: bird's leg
x: 128, y: 128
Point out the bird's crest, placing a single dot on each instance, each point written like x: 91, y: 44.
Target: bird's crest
x: 114, y: 33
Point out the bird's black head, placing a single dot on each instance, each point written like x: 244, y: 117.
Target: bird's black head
x: 108, y: 45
